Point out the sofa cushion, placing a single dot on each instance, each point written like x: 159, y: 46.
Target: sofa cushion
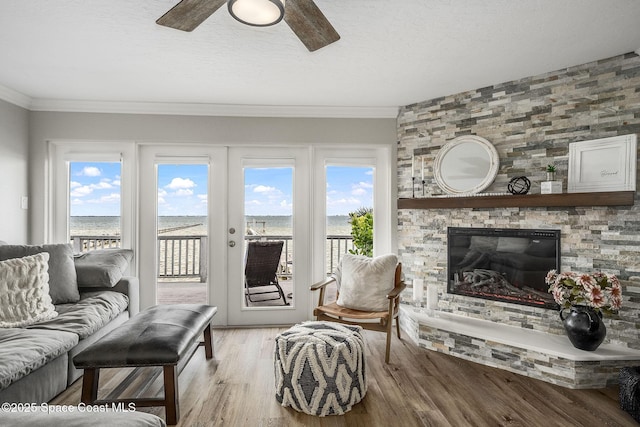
x: 63, y: 284
x: 22, y: 351
x: 365, y: 282
x: 24, y: 291
x: 102, y: 268
x: 92, y: 312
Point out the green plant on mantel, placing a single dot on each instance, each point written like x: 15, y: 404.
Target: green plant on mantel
x: 551, y: 168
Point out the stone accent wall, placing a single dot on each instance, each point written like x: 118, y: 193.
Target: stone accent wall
x: 531, y: 123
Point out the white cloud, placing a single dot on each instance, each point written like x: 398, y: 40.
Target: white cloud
x: 102, y: 185
x: 109, y: 198
x: 113, y: 197
x: 264, y: 189
x: 90, y: 171
x: 161, y: 192
x: 360, y: 189
x: 81, y: 191
x: 183, y: 192
x: 180, y: 183
x: 284, y: 204
x: 344, y: 201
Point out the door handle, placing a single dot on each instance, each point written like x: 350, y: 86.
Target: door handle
x: 231, y: 243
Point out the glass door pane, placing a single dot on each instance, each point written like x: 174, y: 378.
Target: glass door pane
x: 349, y: 215
x: 94, y: 205
x: 268, y: 191
x: 268, y: 241
x: 181, y: 233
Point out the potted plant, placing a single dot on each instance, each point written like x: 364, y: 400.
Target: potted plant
x: 586, y: 297
x: 551, y: 173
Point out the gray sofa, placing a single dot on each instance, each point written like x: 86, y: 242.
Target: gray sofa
x: 91, y: 295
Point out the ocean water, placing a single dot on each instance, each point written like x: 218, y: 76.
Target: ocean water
x: 195, y: 225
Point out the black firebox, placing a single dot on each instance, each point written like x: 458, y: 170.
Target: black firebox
x: 500, y: 264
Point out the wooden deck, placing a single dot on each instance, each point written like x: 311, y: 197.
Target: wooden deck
x: 175, y: 292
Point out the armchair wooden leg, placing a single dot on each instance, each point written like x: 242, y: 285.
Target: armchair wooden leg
x: 398, y: 327
x: 388, y: 351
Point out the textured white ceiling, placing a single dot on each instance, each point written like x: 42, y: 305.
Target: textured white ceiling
x: 392, y: 52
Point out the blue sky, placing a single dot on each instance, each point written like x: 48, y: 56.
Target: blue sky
x: 182, y: 189
x: 94, y: 189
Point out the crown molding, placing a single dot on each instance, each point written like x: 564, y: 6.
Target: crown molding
x: 194, y: 109
x: 228, y: 110
x: 14, y: 97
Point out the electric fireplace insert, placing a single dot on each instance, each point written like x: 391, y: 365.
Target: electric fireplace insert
x: 507, y: 265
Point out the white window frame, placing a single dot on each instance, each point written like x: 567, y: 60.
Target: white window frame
x: 379, y: 158
x: 61, y: 153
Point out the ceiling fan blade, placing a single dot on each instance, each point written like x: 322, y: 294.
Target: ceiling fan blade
x: 188, y: 14
x: 309, y: 23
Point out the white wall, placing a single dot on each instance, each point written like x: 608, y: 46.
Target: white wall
x: 98, y: 128
x: 14, y: 175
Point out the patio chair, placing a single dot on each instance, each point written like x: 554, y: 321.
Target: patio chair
x: 260, y: 270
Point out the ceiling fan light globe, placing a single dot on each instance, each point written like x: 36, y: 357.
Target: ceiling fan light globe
x: 258, y: 13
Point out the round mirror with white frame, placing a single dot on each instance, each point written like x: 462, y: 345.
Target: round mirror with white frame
x: 466, y: 165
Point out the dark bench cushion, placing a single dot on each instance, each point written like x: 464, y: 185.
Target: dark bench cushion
x: 159, y: 335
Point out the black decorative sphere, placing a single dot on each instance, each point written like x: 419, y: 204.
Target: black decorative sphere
x: 519, y: 185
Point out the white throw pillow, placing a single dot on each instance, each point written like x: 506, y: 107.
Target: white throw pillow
x: 365, y: 282
x: 24, y: 291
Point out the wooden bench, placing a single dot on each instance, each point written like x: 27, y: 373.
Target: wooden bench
x: 162, y: 336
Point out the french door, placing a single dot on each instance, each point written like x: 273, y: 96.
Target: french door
x: 200, y: 206
x: 268, y: 202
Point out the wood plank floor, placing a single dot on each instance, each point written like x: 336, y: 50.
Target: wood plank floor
x: 419, y: 388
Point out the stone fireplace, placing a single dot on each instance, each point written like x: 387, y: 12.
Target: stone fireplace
x: 531, y: 123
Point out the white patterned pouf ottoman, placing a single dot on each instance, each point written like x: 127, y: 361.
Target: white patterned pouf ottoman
x: 320, y: 368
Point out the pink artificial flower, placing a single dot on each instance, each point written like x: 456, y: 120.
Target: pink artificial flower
x: 558, y: 294
x: 596, y: 296
x: 616, y: 303
x: 586, y: 281
x: 551, y: 277
x: 614, y: 280
x: 615, y: 290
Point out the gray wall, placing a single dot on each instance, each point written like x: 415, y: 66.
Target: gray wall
x: 98, y: 128
x: 531, y: 122
x: 14, y: 176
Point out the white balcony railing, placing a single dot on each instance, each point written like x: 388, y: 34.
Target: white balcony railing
x: 185, y: 256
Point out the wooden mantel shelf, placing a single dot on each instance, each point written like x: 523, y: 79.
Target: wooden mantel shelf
x: 613, y: 198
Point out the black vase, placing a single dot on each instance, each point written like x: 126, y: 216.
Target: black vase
x: 584, y: 327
